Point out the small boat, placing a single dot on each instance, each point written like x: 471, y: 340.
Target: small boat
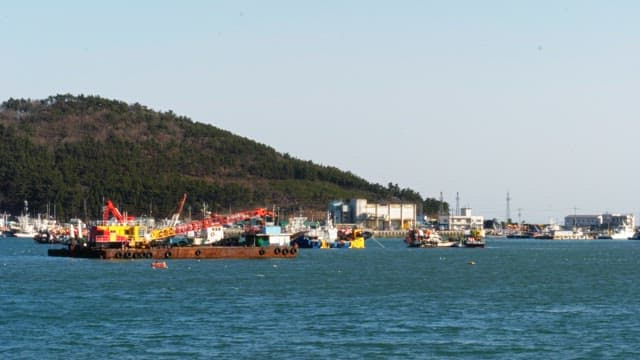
x: 426, y: 239
x: 474, y: 242
x: 159, y: 265
x: 349, y: 238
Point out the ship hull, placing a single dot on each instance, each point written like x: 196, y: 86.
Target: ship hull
x: 186, y: 252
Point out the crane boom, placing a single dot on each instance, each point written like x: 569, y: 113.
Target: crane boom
x: 111, y: 209
x: 176, y: 215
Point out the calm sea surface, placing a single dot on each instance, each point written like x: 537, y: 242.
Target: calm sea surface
x: 523, y: 299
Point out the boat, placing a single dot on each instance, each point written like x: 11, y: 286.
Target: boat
x: 520, y: 235
x: 48, y: 237
x: 472, y: 242
x: 179, y: 252
x: 307, y: 241
x: 315, y: 236
x: 432, y: 239
x: 25, y: 227
x: 427, y: 239
x: 130, y: 238
x: 159, y: 265
x: 350, y: 238
x: 619, y: 233
x: 475, y: 239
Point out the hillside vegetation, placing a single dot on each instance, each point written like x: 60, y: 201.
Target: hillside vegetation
x: 71, y: 153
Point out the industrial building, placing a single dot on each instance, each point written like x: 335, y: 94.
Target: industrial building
x: 600, y: 221
x: 381, y: 216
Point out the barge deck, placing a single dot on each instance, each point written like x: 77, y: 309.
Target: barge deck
x: 180, y: 252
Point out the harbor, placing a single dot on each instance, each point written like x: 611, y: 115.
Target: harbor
x: 262, y: 233
x: 296, y: 180
x: 203, y: 306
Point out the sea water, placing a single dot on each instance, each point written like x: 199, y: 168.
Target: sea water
x: 514, y: 299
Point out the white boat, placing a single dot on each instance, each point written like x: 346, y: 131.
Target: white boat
x: 206, y: 236
x: 326, y: 233
x: 619, y: 233
x: 313, y: 235
x: 25, y: 227
x: 442, y: 243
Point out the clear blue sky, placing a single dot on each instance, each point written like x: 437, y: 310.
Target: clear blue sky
x: 475, y: 97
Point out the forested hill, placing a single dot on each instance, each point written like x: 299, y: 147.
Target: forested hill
x: 70, y: 153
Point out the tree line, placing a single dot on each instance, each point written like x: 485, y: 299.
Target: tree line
x: 70, y: 153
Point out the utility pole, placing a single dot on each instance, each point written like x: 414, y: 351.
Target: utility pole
x: 519, y: 215
x: 508, y: 207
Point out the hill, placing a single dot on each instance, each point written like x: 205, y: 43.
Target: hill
x: 69, y: 153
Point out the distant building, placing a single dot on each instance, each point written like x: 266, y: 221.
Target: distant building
x: 380, y: 216
x: 600, y: 221
x: 583, y: 221
x: 464, y: 221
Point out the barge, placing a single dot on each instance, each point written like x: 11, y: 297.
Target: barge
x: 177, y: 252
x: 127, y: 238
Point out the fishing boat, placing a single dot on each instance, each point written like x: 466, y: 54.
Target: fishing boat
x: 307, y: 241
x: 47, y: 237
x: 350, y: 238
x: 472, y: 242
x: 475, y: 239
x: 315, y: 236
x: 426, y: 238
x: 25, y: 227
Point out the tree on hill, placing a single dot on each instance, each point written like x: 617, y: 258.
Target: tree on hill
x: 71, y: 153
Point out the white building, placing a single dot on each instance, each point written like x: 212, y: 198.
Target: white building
x: 600, y: 221
x: 465, y: 221
x: 380, y: 216
x: 581, y: 221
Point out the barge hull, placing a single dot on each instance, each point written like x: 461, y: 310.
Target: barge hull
x: 186, y: 252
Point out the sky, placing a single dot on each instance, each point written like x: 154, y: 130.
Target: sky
x: 478, y: 98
